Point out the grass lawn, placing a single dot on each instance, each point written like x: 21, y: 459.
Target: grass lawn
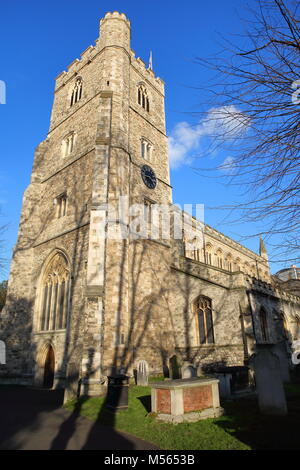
x: 242, y: 427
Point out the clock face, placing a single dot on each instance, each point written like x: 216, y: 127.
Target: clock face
x: 148, y: 176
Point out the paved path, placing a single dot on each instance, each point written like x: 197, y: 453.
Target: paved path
x: 34, y: 420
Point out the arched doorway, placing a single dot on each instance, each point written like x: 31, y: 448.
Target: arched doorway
x: 49, y: 368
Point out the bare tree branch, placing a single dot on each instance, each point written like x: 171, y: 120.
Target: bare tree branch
x: 258, y: 117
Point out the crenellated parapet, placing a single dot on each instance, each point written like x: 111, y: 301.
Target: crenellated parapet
x: 220, y: 251
x: 115, y: 15
x: 75, y: 67
x: 231, y: 243
x: 112, y: 34
x: 147, y: 72
x: 270, y: 289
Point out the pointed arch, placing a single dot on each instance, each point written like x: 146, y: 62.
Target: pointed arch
x: 68, y: 144
x: 229, y: 262
x: 45, y: 365
x: 76, y: 93
x: 208, y: 253
x: 219, y: 258
x: 53, y: 293
x: 143, y: 99
x: 283, y: 332
x: 49, y: 368
x: 146, y: 149
x: 247, y: 268
x: 237, y: 264
x: 263, y: 322
x: 204, y: 320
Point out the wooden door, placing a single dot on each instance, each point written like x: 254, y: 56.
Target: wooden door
x: 49, y: 368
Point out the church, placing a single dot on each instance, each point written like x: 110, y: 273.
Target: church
x: 82, y: 305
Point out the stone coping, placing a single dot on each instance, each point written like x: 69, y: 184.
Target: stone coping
x: 191, y: 417
x: 183, y: 383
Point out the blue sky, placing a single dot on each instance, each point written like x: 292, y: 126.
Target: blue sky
x: 40, y: 39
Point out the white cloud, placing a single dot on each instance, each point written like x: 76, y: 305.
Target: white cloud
x: 224, y: 123
x: 228, y: 166
x: 182, y: 140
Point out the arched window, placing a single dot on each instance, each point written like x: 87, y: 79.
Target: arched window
x: 146, y: 149
x: 143, y: 99
x: 139, y: 96
x: 237, y: 264
x: 68, y: 144
x: 219, y: 256
x: 283, y: 331
x: 263, y: 325
x: 229, y: 263
x: 77, y: 91
x: 61, y: 205
x: 196, y: 252
x: 54, y: 293
x: 204, y: 320
x: 208, y: 254
x: 246, y: 268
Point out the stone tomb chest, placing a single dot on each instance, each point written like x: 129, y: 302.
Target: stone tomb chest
x: 186, y: 399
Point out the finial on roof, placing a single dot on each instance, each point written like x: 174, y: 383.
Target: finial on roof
x: 262, y: 248
x: 150, y: 61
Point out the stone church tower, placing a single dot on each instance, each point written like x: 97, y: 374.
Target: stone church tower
x: 83, y: 303
x: 68, y: 286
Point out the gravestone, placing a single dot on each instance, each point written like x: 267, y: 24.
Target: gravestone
x: 175, y: 367
x: 142, y: 373
x: 233, y: 380
x: 224, y: 384
x: 117, y: 392
x: 269, y: 384
x: 188, y: 371
x: 200, y: 371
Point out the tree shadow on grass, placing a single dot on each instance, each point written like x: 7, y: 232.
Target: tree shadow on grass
x: 89, y: 435
x: 243, y: 420
x: 146, y: 402
x: 110, y: 439
x: 99, y: 435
